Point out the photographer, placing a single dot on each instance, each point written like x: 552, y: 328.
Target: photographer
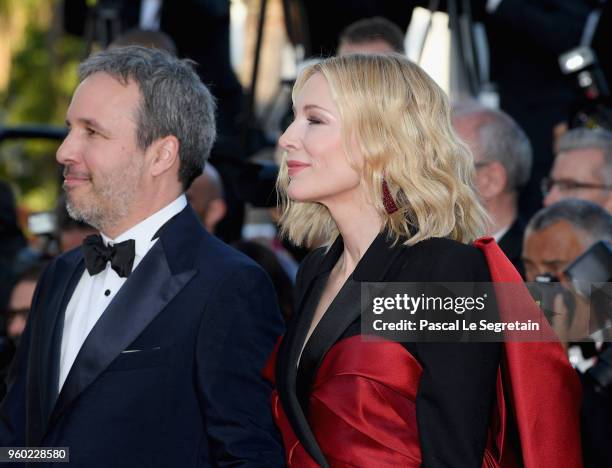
x: 555, y: 237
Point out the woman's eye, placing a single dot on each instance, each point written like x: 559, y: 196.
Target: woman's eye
x: 313, y: 121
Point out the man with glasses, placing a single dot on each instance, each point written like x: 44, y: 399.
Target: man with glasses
x: 582, y: 168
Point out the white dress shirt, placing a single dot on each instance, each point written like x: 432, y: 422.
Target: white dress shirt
x: 94, y: 293
x: 501, y: 233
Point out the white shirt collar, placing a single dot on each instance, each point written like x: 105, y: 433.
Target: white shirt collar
x: 499, y: 234
x: 143, y: 232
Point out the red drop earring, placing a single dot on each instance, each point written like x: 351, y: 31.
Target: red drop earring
x: 388, y: 201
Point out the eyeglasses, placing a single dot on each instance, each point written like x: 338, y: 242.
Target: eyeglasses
x: 480, y: 164
x: 565, y: 185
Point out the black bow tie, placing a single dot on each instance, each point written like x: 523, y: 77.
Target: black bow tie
x: 96, y: 254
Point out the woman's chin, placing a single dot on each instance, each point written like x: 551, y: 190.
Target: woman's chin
x: 298, y: 194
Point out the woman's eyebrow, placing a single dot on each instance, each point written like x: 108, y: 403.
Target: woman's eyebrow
x: 311, y: 107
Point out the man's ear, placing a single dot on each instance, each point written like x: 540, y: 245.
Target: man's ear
x: 164, y: 154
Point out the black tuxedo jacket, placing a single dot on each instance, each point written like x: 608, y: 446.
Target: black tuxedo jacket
x: 457, y: 389
x: 170, y: 375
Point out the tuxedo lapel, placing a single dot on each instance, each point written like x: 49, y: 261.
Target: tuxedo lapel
x: 160, y: 276
x: 43, y: 367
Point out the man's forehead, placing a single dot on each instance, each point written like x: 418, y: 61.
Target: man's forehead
x: 467, y: 127
x: 100, y: 94
x: 102, y: 86
x: 588, y: 158
x: 556, y: 240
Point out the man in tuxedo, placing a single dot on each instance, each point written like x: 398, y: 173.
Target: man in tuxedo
x: 503, y: 159
x: 145, y: 347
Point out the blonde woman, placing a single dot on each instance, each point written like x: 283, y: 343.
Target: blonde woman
x: 374, y: 172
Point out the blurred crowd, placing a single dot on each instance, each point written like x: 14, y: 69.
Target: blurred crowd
x: 543, y: 170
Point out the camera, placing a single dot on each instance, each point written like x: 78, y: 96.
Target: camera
x: 544, y: 291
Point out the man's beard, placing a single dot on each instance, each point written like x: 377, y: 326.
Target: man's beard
x: 109, y: 199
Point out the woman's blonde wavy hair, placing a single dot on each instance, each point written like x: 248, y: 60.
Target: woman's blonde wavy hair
x: 399, y: 119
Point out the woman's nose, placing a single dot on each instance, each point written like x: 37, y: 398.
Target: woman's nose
x: 289, y: 140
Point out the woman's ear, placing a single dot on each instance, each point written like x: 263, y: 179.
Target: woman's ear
x: 165, y: 154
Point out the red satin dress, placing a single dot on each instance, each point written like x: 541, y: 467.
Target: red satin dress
x: 362, y: 406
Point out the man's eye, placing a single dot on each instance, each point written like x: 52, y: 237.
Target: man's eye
x: 90, y: 131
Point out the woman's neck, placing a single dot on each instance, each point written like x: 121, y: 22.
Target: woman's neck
x: 359, y: 224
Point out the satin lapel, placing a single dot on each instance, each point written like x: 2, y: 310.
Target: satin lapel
x: 45, y: 354
x: 342, y: 312
x: 286, y: 374
x: 297, y: 328
x: 289, y: 353
x: 143, y: 296
x: 376, y: 265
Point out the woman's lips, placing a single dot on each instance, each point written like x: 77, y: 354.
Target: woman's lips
x: 293, y: 167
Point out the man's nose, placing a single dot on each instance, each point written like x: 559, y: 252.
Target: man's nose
x: 67, y: 152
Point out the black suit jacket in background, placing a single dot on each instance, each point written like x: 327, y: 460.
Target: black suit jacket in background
x: 512, y: 244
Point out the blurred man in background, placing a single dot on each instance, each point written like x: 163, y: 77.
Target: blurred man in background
x: 559, y: 233
x: 206, y: 198
x: 16, y: 315
x: 503, y: 158
x: 555, y: 237
x: 13, y: 245
x: 371, y: 35
x: 582, y: 168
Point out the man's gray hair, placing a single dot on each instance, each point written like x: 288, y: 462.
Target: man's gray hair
x: 587, y: 216
x: 500, y: 139
x: 586, y: 138
x: 173, y: 101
